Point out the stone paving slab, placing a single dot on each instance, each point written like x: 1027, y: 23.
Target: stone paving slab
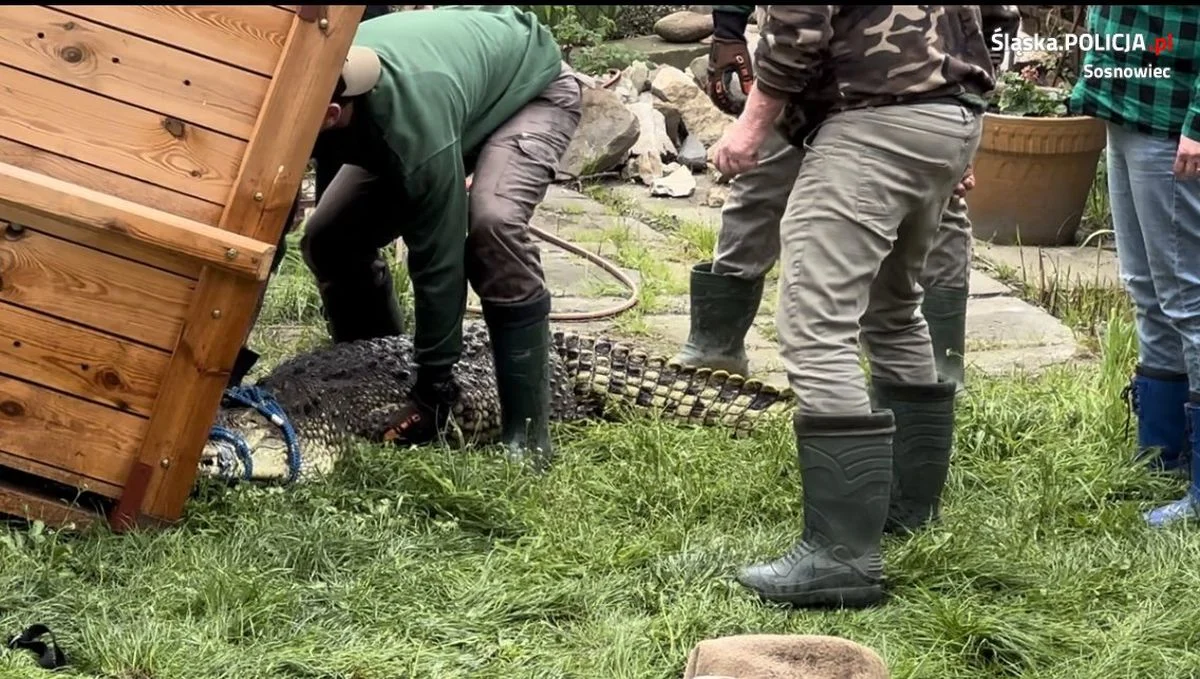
x: 1088, y: 265
x: 1004, y: 333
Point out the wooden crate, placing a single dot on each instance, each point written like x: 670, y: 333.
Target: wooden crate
x: 149, y: 156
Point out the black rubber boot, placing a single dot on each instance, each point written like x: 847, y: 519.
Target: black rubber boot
x: 846, y: 469
x: 520, y: 337
x: 722, y: 310
x: 921, y: 450
x: 945, y: 309
x: 366, y: 309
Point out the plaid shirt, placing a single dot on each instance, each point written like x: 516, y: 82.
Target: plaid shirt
x: 1163, y: 107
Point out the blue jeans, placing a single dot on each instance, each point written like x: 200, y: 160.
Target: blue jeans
x: 1157, y: 222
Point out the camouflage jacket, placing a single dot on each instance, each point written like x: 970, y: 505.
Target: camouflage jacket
x: 839, y: 57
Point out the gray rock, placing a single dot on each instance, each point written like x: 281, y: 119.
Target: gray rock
x: 693, y: 155
x: 678, y: 184
x: 653, y: 145
x: 701, y: 118
x: 638, y: 76
x: 625, y: 89
x: 684, y: 27
x: 674, y: 120
x: 699, y: 70
x: 652, y: 133
x: 717, y: 195
x: 606, y: 133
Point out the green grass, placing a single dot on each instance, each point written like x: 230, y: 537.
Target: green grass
x: 437, y: 564
x: 440, y: 564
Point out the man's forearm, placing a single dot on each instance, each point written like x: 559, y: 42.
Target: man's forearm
x: 761, y: 112
x: 730, y: 21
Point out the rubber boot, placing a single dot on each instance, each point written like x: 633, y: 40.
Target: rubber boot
x: 921, y: 450
x: 722, y: 310
x: 520, y: 337
x: 242, y: 365
x: 1187, y: 507
x: 1158, y: 401
x: 846, y: 469
x: 362, y: 309
x: 945, y: 310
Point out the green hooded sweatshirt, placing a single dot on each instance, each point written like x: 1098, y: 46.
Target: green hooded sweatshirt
x: 450, y: 77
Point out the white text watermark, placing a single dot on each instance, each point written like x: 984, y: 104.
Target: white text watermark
x: 1084, y: 42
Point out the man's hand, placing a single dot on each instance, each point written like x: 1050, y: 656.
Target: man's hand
x: 737, y: 151
x: 729, y: 66
x: 1187, y: 159
x: 966, y: 183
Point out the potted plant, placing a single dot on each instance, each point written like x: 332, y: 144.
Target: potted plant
x: 1035, y: 166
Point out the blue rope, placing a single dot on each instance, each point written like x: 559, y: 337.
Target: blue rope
x: 268, y: 407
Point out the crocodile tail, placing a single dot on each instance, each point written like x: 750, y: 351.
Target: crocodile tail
x: 610, y: 376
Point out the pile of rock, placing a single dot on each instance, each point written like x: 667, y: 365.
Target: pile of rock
x: 654, y: 125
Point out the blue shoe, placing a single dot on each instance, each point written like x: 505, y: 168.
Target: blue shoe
x: 1188, y: 507
x: 1158, y: 400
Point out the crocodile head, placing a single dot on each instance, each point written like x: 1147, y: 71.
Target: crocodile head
x: 248, y: 445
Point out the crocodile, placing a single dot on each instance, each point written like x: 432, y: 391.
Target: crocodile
x: 314, y: 407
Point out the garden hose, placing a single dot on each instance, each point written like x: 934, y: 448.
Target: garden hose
x: 582, y: 316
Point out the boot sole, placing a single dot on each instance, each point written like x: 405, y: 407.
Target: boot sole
x: 841, y: 597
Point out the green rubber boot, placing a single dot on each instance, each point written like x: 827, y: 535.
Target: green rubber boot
x: 945, y: 309
x: 846, y: 469
x: 921, y: 450
x: 520, y: 336
x: 722, y: 310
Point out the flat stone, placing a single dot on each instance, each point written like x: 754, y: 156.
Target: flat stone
x: 1005, y: 362
x: 1008, y: 322
x: 1087, y: 266
x: 983, y: 285
x: 659, y: 51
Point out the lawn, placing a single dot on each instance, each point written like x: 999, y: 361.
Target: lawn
x: 436, y: 564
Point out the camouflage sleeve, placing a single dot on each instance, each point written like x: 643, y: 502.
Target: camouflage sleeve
x: 794, y: 38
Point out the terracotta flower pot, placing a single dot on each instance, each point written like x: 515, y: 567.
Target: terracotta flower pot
x: 1032, y: 178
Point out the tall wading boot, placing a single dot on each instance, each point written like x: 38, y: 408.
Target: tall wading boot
x: 1157, y: 400
x: 1188, y: 507
x: 945, y: 310
x: 846, y: 469
x: 920, y: 450
x: 723, y: 308
x: 362, y: 309
x: 520, y: 335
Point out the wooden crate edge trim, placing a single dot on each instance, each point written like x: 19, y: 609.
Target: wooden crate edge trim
x: 215, y: 247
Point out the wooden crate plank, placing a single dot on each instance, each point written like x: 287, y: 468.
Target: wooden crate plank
x: 199, y: 369
x: 53, y: 276
x: 247, y: 36
x: 101, y: 240
x: 134, y: 70
x: 15, y: 501
x: 110, y: 134
x: 64, y: 432
x: 81, y: 362
x: 83, y: 483
x: 98, y: 179
x: 33, y: 192
x: 189, y: 397
x: 278, y: 153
